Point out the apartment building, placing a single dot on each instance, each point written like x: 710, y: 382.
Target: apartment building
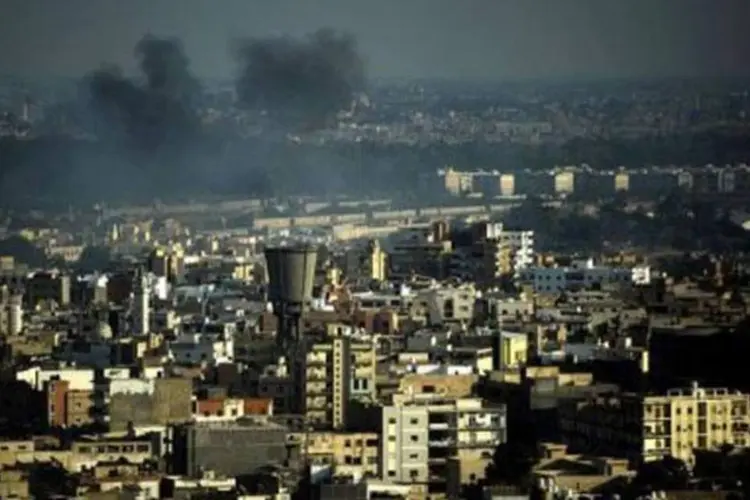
x: 370, y: 262
x: 455, y: 182
x: 422, y: 433
x: 337, y: 370
x: 196, y: 348
x: 582, y: 275
x: 645, y: 428
x: 66, y: 407
x: 47, y: 286
x: 450, y: 304
x: 505, y: 251
x: 86, y: 451
x: 511, y: 351
x: 14, y: 483
x: 350, y: 454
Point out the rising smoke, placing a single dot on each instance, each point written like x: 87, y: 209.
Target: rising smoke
x: 135, y: 138
x: 299, y: 83
x: 156, y: 111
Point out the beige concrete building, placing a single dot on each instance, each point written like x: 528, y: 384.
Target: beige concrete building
x: 645, y: 428
x: 456, y: 182
x: 512, y: 350
x: 84, y: 452
x: 337, y: 371
x: 449, y: 304
x: 564, y: 182
x: 368, y: 263
x: 424, y: 433
x: 351, y: 454
x: 447, y: 386
x: 14, y: 483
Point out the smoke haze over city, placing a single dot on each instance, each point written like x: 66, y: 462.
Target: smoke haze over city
x: 271, y: 99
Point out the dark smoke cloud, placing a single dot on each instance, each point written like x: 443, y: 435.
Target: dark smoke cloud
x: 124, y: 139
x: 299, y: 83
x: 155, y: 111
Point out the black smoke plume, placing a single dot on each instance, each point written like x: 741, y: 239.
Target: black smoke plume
x: 155, y: 111
x: 299, y: 83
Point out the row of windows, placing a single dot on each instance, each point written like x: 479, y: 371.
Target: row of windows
x: 348, y: 460
x: 128, y: 448
x: 20, y: 447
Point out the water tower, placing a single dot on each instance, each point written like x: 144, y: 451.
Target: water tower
x: 291, y: 272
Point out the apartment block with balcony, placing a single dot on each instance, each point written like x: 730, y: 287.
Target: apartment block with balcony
x: 504, y: 251
x: 337, y: 370
x: 424, y: 433
x: 646, y: 428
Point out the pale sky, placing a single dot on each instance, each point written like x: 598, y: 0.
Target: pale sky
x: 467, y: 39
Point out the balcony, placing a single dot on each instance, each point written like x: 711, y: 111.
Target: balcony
x: 441, y: 443
x: 476, y: 443
x: 318, y: 388
x: 316, y: 375
x: 439, y: 426
x: 317, y: 361
x: 441, y: 421
x: 365, y: 372
x: 317, y: 404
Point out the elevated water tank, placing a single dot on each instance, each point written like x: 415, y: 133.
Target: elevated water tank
x: 291, y: 273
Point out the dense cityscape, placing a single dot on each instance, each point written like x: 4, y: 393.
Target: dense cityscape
x: 309, y: 282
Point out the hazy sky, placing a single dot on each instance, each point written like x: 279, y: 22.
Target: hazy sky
x: 496, y: 39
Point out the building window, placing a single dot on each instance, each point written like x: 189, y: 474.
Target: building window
x: 702, y: 409
x: 414, y: 438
